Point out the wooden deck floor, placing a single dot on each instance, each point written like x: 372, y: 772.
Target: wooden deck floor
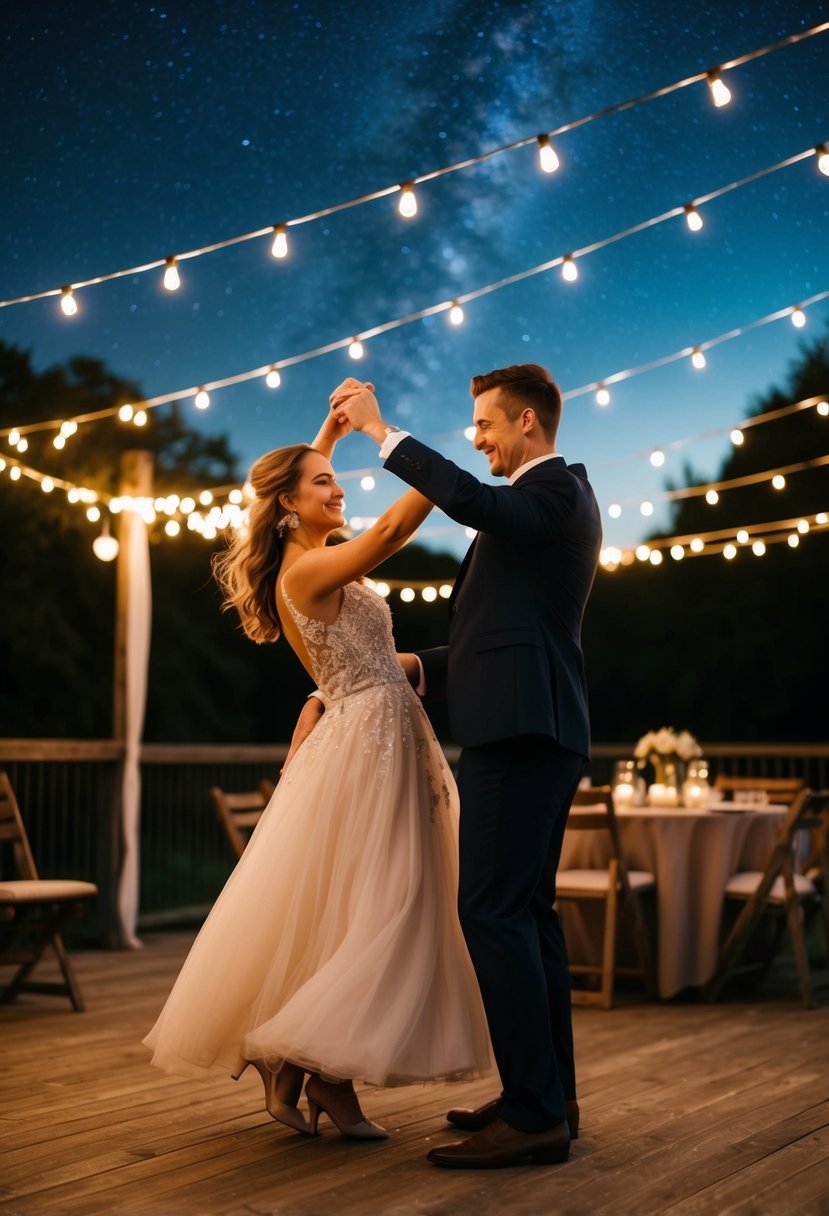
x: 687, y: 1109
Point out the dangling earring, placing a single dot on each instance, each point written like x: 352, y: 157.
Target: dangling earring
x: 289, y: 520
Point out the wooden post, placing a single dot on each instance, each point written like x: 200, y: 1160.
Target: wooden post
x: 136, y: 482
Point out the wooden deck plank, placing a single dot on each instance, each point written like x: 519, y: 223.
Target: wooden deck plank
x: 688, y: 1110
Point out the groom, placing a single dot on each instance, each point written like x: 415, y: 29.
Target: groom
x: 513, y: 674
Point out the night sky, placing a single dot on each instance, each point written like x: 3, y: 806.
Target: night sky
x: 132, y: 131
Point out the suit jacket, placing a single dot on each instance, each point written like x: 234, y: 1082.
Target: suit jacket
x: 514, y: 664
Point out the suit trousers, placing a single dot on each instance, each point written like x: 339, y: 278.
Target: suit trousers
x: 515, y: 796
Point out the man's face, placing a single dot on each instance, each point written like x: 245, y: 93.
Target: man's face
x: 501, y: 441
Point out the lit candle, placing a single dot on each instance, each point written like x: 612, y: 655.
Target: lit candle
x: 623, y: 793
x: 662, y: 795
x: 695, y: 795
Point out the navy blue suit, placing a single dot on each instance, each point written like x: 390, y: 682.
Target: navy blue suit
x: 513, y: 676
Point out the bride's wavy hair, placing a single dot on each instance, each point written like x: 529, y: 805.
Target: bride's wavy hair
x: 246, y: 570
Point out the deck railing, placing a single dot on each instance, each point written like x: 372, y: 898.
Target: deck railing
x: 68, y: 792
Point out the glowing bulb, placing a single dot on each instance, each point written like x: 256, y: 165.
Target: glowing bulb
x: 105, y: 547
x: 712, y: 498
x: 742, y: 536
x: 614, y: 510
x: 73, y: 494
x: 407, y: 206
x: 646, y: 508
x: 382, y: 589
x: 22, y: 445
x: 68, y: 428
x: 469, y: 433
x: 698, y: 358
x: 822, y: 408
x: 172, y: 527
x: 68, y: 302
x: 720, y: 93
x: 279, y: 248
x: 569, y: 270
x: 547, y: 158
x: 677, y: 552
x: 205, y: 498
x: 14, y: 472
x: 367, y: 483
x: 187, y: 505
x: 47, y: 485
x: 172, y: 281
x: 202, y: 400
x: 59, y: 441
x: 273, y: 378
x: 737, y: 437
x: 758, y: 548
x: 93, y: 514
x: 140, y: 418
x: 778, y: 481
x: 822, y: 154
x: 657, y: 458
x: 692, y: 217
x: 798, y: 318
x: 456, y: 314
x: 235, y: 496
x: 14, y: 437
x: 803, y: 526
x: 729, y: 552
x: 444, y: 591
x: 643, y: 553
x: 793, y: 541
x: 429, y: 594
x: 602, y: 395
x: 2, y: 464
x: 821, y: 518
x: 655, y: 558
x: 697, y: 544
x: 125, y: 413
x: 407, y: 595
x: 356, y: 349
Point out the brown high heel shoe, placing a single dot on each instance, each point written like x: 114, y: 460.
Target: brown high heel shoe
x: 282, y: 1106
x: 340, y: 1103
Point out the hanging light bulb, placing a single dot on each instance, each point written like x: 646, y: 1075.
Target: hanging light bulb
x: 737, y: 437
x: 14, y: 472
x: 22, y: 444
x: 698, y: 358
x: 712, y: 498
x: 469, y: 433
x: 614, y: 510
x: 202, y: 400
x: 692, y: 217
x: 140, y: 418
x: 68, y: 428
x: 778, y: 481
x: 205, y: 498
x: 125, y: 413
x: 569, y: 269
x: 798, y: 317
x: 47, y: 485
x: 822, y: 408
x: 172, y: 527
x: 59, y: 440
x: 273, y: 378
x: 643, y: 552
x: 356, y: 349
x: 677, y: 552
x: 822, y: 154
x: 279, y: 248
x: 697, y: 544
x: 602, y: 395
x: 93, y: 514
x: 657, y: 458
x: 14, y: 437
x: 793, y: 541
x: 172, y: 280
x: 547, y: 158
x: 456, y: 313
x: 655, y: 557
x: 729, y: 552
x: 646, y: 508
x: 742, y: 536
x: 720, y: 93
x: 68, y: 303
x: 444, y: 591
x: 407, y: 206
x: 105, y: 547
x: 758, y: 548
x: 407, y: 595
x: 430, y: 594
x: 367, y: 482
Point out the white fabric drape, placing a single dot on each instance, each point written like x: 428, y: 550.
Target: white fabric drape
x: 136, y: 553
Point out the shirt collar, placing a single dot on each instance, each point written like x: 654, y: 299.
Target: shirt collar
x: 530, y: 464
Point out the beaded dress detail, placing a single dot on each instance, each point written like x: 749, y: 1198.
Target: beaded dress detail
x: 335, y: 942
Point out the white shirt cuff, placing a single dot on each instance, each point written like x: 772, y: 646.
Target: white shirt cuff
x: 420, y: 687
x: 390, y: 443
x: 316, y: 693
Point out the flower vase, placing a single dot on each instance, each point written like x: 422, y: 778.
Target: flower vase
x: 665, y: 788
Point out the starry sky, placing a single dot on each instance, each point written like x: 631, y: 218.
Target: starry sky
x: 136, y: 130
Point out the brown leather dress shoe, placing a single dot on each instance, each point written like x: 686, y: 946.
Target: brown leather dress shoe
x: 499, y: 1145
x: 482, y: 1116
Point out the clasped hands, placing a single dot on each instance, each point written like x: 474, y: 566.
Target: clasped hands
x: 353, y: 402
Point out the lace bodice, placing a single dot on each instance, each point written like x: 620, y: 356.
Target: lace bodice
x: 357, y: 651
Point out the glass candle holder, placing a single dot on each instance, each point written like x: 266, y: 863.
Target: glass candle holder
x: 624, y: 783
x: 696, y: 790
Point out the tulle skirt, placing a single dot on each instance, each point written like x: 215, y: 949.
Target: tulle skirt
x: 335, y: 942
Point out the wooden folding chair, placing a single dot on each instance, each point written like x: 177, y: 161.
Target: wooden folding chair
x: 617, y: 887
x: 780, y: 890
x: 33, y: 911
x: 778, y: 789
x: 239, y: 813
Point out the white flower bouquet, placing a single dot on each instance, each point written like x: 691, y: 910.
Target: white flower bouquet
x: 657, y: 746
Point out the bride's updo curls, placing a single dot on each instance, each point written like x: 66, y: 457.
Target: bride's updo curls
x: 246, y: 570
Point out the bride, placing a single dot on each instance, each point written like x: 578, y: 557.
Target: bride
x: 334, y: 948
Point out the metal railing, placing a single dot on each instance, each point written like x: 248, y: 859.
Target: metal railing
x: 69, y: 794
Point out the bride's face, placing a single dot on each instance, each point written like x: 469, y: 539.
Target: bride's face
x: 317, y: 499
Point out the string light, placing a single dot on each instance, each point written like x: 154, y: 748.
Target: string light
x: 68, y: 303
x: 14, y: 472
x: 547, y: 157
x: 172, y: 527
x: 430, y: 594
x: 202, y: 399
x: 822, y: 154
x: 798, y: 318
x: 758, y: 548
x: 698, y: 358
x: 602, y: 395
x: 822, y: 408
x: 279, y: 248
x: 729, y: 552
x: 367, y: 482
x: 22, y: 444
x: 720, y: 93
x: 14, y: 437
x: 803, y: 526
x: 172, y: 280
x: 125, y: 413
x: 692, y: 217
x: 742, y: 536
x: 273, y: 378
x: 456, y: 313
x: 140, y: 418
x: 407, y: 205
x: 793, y: 540
x: 569, y: 269
x: 407, y: 594
x: 59, y: 440
x: 677, y: 552
x: 737, y: 437
x: 93, y: 514
x: 47, y: 485
x: 697, y: 545
x: 646, y: 508
x: 712, y: 498
x: 657, y: 458
x: 469, y: 433
x: 779, y: 482
x: 355, y: 349
x: 105, y: 547
x: 614, y: 510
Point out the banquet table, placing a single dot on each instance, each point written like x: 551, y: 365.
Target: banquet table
x: 692, y: 854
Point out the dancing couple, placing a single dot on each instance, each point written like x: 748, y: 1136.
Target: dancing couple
x: 384, y: 925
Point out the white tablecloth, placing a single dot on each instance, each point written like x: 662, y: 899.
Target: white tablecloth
x: 692, y: 855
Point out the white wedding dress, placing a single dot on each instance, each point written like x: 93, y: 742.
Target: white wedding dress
x: 335, y: 942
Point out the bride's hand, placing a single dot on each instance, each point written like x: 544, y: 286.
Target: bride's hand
x: 344, y: 391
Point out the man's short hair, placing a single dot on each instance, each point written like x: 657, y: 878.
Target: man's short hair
x: 524, y: 385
